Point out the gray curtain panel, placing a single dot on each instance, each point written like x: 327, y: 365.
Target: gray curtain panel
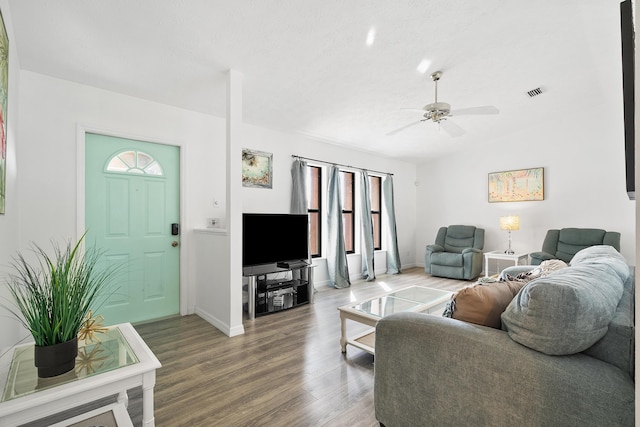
x: 336, y: 253
x: 299, y: 198
x: 393, y: 255
x: 299, y: 202
x: 368, y: 270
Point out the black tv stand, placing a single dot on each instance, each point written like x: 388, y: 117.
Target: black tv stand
x: 269, y: 295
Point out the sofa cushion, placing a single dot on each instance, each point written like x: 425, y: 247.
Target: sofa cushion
x: 447, y: 258
x: 569, y: 310
x: 483, y: 303
x: 618, y: 345
x: 459, y: 237
x: 603, y: 254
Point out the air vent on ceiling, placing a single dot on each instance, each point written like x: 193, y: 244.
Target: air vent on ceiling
x: 535, y: 92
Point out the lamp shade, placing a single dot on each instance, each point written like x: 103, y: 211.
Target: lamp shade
x: 511, y: 222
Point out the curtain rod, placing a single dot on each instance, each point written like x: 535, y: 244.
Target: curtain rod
x: 338, y: 164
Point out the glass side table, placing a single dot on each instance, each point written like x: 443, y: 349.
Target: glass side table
x: 120, y: 361
x: 112, y: 352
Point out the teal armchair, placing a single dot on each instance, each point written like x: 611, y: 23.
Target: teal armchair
x: 563, y: 244
x: 457, y: 253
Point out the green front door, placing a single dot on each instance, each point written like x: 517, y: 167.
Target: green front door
x: 131, y: 202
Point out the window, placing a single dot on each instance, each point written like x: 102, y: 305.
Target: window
x: 347, y: 182
x: 375, y: 185
x: 314, y: 181
x: 134, y: 162
x: 348, y: 200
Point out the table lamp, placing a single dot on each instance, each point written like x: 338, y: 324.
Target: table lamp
x: 509, y: 223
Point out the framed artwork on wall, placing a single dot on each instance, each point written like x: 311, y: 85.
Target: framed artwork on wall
x: 516, y: 185
x: 257, y: 169
x: 4, y: 88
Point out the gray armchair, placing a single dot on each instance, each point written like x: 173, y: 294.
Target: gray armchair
x: 565, y: 243
x: 457, y: 252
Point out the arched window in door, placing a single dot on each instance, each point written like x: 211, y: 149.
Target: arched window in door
x: 134, y: 162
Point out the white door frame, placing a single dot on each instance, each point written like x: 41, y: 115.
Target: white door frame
x: 81, y: 131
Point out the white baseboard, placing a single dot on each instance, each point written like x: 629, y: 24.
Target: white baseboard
x: 321, y: 283
x: 326, y: 284
x: 219, y: 324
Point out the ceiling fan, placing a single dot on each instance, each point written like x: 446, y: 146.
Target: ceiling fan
x: 439, y: 112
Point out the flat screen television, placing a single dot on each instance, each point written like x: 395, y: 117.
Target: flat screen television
x: 628, y: 88
x: 271, y: 238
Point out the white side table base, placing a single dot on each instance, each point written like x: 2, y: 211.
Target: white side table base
x: 517, y: 259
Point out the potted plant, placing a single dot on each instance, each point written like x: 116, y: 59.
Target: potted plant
x: 53, y: 295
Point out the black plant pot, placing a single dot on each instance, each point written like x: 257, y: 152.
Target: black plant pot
x: 52, y: 360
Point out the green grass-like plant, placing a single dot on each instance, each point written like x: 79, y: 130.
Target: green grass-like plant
x: 53, y: 294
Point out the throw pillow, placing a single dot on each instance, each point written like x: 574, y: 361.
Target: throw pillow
x: 603, y: 254
x: 565, y: 312
x: 483, y: 303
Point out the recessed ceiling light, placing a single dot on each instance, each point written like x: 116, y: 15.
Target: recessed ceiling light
x: 371, y: 36
x: 423, y: 66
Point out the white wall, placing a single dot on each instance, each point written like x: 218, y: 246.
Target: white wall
x: 10, y: 221
x: 212, y: 282
x: 51, y: 112
x: 582, y: 155
x: 583, y: 159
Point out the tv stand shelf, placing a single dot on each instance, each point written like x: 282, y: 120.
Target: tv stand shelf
x: 270, y: 295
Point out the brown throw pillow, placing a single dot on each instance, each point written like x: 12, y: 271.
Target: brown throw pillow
x: 483, y: 304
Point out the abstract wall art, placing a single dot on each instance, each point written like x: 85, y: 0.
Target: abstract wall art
x: 516, y: 185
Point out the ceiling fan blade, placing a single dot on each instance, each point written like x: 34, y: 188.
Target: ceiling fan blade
x: 487, y: 109
x: 422, y: 110
x: 451, y: 128
x: 393, y: 132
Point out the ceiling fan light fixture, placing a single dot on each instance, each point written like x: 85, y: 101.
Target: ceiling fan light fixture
x: 436, y: 111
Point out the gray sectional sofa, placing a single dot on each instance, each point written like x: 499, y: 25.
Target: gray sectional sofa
x: 573, y: 368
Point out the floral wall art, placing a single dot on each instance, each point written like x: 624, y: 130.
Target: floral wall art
x: 257, y: 169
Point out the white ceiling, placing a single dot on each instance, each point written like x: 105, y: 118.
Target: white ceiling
x: 307, y: 68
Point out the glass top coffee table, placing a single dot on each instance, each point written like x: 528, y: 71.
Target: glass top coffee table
x: 370, y: 311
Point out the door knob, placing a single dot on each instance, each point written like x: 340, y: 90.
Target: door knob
x: 174, y: 243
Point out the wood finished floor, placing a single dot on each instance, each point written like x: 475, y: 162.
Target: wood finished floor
x: 286, y: 370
